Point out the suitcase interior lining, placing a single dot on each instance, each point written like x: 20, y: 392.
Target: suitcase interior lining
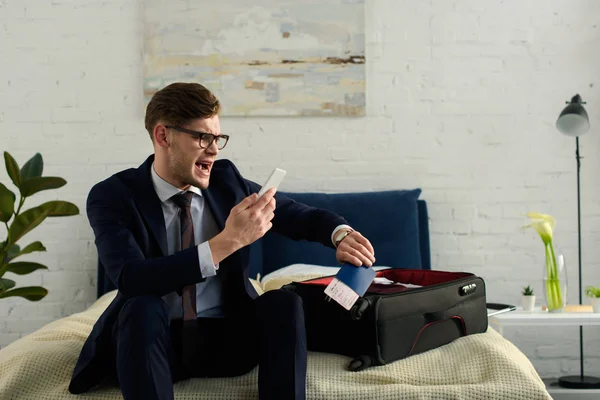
x: 401, y: 276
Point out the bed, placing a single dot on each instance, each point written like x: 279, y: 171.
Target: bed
x: 482, y: 366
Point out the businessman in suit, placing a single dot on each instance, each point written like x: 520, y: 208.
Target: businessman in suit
x: 177, y: 250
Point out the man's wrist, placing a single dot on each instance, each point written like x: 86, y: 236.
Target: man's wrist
x: 223, y: 245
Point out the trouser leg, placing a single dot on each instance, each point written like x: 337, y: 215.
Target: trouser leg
x: 282, y: 346
x: 143, y: 350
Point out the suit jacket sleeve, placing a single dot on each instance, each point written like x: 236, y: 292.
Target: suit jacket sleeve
x: 131, y: 272
x: 299, y: 221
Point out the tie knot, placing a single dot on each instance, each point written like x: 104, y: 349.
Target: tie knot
x: 183, y: 200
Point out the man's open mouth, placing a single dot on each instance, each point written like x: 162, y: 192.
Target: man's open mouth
x: 204, y: 165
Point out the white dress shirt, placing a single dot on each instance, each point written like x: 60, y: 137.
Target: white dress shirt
x: 209, y: 292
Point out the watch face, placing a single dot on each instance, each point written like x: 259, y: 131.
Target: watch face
x: 341, y: 236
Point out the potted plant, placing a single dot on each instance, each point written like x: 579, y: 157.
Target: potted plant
x: 18, y: 222
x: 594, y: 294
x: 528, y: 299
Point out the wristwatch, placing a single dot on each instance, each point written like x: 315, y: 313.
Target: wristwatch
x: 341, y: 236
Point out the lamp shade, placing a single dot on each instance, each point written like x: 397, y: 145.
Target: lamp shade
x: 573, y: 120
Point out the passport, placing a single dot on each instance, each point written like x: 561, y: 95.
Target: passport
x: 349, y: 284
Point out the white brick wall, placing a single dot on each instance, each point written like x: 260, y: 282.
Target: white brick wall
x: 462, y: 100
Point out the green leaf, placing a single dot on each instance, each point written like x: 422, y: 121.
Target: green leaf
x: 6, y: 284
x: 60, y: 208
x: 30, y: 248
x: 12, y: 168
x: 25, y: 267
x: 25, y: 222
x: 13, y: 252
x: 31, y: 293
x: 33, y: 185
x: 33, y: 168
x: 7, y: 203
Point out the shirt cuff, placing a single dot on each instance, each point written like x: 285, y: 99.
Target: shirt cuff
x: 337, y: 228
x: 207, y: 266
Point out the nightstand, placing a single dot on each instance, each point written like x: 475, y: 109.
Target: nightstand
x: 539, y: 317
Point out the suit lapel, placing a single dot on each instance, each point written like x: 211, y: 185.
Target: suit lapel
x: 215, y: 201
x: 149, y: 204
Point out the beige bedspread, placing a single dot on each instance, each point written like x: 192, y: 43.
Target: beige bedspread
x: 484, y: 366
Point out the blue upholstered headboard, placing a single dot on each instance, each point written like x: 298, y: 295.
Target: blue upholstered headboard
x: 396, y: 222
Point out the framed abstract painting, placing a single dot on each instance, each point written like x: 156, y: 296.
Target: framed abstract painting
x: 264, y: 58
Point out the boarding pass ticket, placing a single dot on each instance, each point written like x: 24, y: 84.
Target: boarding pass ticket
x: 341, y: 293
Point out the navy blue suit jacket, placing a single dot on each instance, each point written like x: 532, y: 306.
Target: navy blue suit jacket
x: 126, y: 217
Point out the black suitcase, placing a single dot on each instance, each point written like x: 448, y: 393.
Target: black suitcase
x: 394, y: 321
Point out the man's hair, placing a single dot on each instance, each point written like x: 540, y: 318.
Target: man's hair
x: 179, y: 103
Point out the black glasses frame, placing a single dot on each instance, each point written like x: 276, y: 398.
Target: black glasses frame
x: 201, y: 136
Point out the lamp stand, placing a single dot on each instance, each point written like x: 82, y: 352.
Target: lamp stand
x: 579, y: 381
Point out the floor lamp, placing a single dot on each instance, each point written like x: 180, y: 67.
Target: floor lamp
x: 574, y: 121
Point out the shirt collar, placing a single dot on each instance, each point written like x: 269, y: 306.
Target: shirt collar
x: 165, y: 190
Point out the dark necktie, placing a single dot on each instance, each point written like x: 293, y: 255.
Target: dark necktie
x: 188, y: 297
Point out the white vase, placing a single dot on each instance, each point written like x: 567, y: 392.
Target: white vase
x: 527, y: 302
x: 595, y: 304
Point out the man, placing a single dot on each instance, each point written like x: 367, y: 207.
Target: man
x: 177, y: 250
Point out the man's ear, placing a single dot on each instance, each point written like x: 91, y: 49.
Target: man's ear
x: 161, y: 136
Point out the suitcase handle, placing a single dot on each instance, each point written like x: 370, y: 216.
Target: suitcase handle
x: 434, y: 318
x: 455, y: 318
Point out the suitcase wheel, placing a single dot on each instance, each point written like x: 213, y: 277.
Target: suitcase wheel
x: 357, y: 311
x: 360, y: 363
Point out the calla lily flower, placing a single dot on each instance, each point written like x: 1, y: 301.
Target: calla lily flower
x: 544, y: 224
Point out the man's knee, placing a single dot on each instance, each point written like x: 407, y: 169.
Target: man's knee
x: 282, y: 302
x: 145, y: 314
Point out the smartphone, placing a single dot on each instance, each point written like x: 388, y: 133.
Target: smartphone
x: 273, y: 182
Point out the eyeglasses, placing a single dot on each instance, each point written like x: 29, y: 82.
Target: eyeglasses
x: 205, y: 139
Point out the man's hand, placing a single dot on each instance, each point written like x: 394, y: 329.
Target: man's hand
x: 355, y: 249
x: 251, y: 218
x: 247, y: 222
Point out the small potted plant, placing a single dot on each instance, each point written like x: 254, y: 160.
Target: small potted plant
x: 528, y: 299
x: 594, y: 294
